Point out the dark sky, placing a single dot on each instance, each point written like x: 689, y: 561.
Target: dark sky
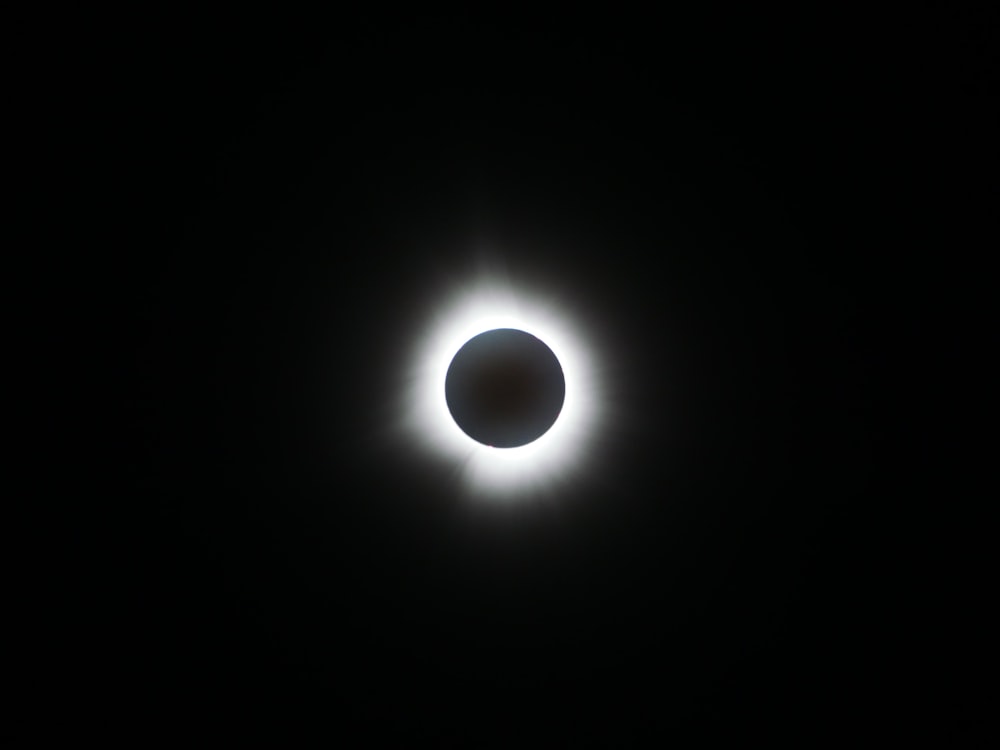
x: 738, y: 210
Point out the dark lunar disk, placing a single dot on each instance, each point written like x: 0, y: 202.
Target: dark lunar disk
x: 505, y: 388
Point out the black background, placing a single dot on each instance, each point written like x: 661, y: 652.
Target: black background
x: 748, y: 216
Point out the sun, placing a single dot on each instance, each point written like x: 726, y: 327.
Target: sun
x: 562, y: 453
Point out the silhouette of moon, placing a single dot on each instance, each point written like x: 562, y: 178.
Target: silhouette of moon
x: 505, y: 388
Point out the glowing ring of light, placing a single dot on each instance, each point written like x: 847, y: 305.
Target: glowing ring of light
x: 558, y: 454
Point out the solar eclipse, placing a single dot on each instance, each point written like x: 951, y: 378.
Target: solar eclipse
x: 503, y: 389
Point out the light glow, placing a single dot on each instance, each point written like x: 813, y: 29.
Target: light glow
x: 560, y: 453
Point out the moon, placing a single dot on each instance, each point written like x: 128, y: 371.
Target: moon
x: 505, y: 388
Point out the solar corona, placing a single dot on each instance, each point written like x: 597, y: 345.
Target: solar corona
x: 503, y: 389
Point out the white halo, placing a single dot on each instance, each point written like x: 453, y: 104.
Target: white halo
x: 555, y: 456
